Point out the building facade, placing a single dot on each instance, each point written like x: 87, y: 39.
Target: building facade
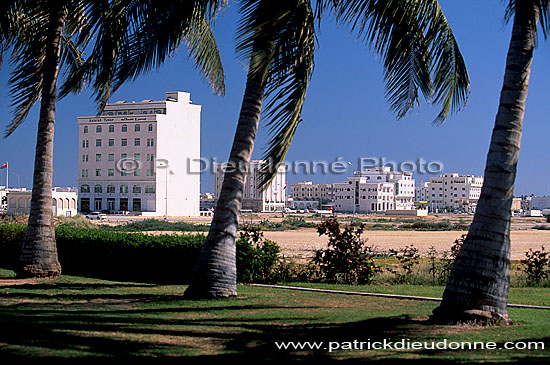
x: 307, y: 191
x: 64, y: 201
x: 422, y: 195
x: 272, y: 199
x: 141, y: 157
x: 375, y: 190
x: 452, y: 191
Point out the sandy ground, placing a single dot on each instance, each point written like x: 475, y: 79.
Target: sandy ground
x: 303, y: 243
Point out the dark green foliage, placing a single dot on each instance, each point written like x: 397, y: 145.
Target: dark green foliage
x: 257, y: 258
x: 436, y: 226
x: 542, y: 227
x: 288, y: 223
x: 136, y: 257
x: 537, y: 265
x: 158, y: 225
x: 347, y: 259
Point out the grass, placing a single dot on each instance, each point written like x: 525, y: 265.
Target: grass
x: 74, y: 318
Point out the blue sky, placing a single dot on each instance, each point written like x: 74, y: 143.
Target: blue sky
x: 345, y: 115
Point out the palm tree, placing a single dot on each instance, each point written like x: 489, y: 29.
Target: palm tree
x: 44, y: 35
x: 278, y: 39
x: 479, y: 281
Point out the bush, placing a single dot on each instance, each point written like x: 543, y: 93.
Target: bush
x: 158, y: 225
x: 257, y: 258
x: 408, y: 259
x: 135, y: 256
x: 536, y: 265
x: 347, y: 259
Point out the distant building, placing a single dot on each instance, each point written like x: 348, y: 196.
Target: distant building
x: 272, y: 199
x: 375, y: 190
x: 64, y: 201
x: 422, y: 195
x: 540, y: 202
x: 307, y: 191
x: 141, y: 157
x: 453, y: 191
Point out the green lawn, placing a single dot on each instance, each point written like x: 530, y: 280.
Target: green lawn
x: 75, y: 319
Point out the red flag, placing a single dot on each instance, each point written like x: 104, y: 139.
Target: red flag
x: 285, y: 185
x: 4, y: 166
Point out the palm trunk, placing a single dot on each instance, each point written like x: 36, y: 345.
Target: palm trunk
x: 215, y: 275
x: 479, y: 281
x: 39, y: 252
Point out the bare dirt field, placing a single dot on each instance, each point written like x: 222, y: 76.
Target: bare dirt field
x: 303, y: 242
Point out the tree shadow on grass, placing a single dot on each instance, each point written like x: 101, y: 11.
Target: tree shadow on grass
x: 88, y: 327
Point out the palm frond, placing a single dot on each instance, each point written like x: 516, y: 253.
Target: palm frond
x: 421, y: 55
x: 281, y: 35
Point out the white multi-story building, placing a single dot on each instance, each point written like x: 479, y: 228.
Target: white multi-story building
x: 452, y: 191
x: 272, y: 199
x: 307, y: 191
x: 375, y: 190
x: 422, y: 195
x: 141, y: 157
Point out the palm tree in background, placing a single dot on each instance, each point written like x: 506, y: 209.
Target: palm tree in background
x: 277, y: 38
x: 479, y: 281
x: 47, y: 36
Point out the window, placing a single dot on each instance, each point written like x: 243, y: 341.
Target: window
x: 84, y: 173
x: 123, y: 156
x: 149, y: 189
x: 111, y: 172
x: 111, y: 157
x: 111, y: 128
x: 150, y: 142
x: 136, y: 189
x: 84, y: 158
x: 123, y: 189
x: 85, y: 143
x: 97, y: 172
x: 149, y: 172
x: 137, y: 142
x: 124, y: 128
x: 98, y: 142
x: 111, y: 142
x: 124, y: 142
x: 85, y: 189
x: 150, y: 128
x: 150, y: 157
x: 137, y: 128
x: 136, y: 172
x: 98, y: 129
x: 98, y: 189
x: 98, y: 157
x: 85, y: 129
x: 110, y: 189
x: 137, y: 156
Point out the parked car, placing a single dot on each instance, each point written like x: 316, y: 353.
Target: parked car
x: 95, y: 215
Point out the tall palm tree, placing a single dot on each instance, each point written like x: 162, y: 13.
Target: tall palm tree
x: 479, y: 281
x: 46, y: 34
x: 278, y: 39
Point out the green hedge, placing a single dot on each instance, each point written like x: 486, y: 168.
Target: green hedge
x: 120, y: 256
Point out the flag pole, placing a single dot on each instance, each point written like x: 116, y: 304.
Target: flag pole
x: 7, y: 175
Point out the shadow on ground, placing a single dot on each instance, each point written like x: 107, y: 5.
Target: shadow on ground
x: 89, y: 327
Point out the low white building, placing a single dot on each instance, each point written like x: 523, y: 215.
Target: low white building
x: 540, y: 202
x: 375, y: 190
x: 64, y: 202
x: 272, y: 199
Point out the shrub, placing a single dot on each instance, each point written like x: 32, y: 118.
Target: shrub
x: 407, y: 258
x: 257, y: 258
x: 536, y: 265
x: 347, y: 259
x: 158, y: 225
x: 135, y: 256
